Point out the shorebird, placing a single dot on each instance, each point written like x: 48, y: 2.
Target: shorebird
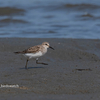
x: 35, y: 52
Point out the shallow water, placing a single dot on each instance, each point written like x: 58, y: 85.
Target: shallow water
x: 50, y: 18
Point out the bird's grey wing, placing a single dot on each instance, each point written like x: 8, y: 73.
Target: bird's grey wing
x: 33, y: 49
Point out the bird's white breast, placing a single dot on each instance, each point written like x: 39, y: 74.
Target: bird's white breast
x: 33, y: 55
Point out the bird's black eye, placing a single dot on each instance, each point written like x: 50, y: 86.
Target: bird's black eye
x: 45, y: 44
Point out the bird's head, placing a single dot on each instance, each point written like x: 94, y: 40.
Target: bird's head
x: 47, y: 45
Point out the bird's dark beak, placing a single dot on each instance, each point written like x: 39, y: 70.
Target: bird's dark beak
x: 51, y: 47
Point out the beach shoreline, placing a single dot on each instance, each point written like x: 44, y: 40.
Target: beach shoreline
x: 73, y: 71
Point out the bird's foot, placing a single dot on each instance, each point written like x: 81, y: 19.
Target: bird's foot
x: 26, y: 67
x: 44, y: 63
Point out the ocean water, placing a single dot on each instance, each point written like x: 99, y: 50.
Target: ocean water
x: 50, y: 18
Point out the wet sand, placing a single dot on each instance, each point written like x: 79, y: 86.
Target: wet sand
x: 73, y: 72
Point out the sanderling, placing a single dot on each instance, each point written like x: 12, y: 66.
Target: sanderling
x: 35, y: 52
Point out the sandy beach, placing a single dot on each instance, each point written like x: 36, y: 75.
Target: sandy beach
x: 73, y: 72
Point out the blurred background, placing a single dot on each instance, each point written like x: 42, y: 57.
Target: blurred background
x: 50, y: 18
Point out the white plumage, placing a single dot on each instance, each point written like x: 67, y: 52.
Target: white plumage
x: 33, y: 55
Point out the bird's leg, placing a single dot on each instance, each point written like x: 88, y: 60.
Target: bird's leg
x: 40, y: 62
x: 26, y: 63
